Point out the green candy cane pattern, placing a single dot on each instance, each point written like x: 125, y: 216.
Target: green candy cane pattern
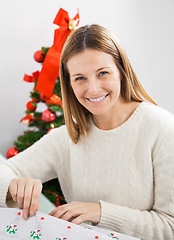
x: 11, y: 229
x: 112, y: 235
x: 35, y: 234
x: 61, y: 238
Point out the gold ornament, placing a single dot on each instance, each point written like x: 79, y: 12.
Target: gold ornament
x: 73, y: 24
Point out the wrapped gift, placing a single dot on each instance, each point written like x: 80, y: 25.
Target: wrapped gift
x: 45, y: 227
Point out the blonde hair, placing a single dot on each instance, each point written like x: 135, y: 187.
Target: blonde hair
x: 98, y: 38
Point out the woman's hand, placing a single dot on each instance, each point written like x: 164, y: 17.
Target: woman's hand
x: 78, y: 212
x: 26, y: 192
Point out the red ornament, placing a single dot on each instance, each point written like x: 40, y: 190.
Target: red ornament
x: 31, y: 106
x: 39, y: 56
x: 48, y: 116
x: 11, y: 153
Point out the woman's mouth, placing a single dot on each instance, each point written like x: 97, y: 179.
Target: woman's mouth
x: 97, y: 99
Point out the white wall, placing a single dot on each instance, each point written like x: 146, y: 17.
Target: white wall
x: 144, y: 27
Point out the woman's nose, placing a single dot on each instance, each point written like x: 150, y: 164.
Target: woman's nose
x: 93, y: 86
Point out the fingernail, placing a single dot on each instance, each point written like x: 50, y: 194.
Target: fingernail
x: 31, y: 213
x: 25, y: 215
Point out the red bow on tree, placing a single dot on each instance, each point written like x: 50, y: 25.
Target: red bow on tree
x: 50, y: 68
x: 28, y: 78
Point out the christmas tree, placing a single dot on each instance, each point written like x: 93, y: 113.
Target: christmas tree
x: 46, y: 90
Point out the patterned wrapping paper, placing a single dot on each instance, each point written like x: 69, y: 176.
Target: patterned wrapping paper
x: 109, y: 233
x: 45, y: 227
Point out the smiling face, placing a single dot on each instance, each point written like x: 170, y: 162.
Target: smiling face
x: 95, y: 80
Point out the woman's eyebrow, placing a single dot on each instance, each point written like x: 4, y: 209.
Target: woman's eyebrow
x: 78, y: 74
x: 101, y: 68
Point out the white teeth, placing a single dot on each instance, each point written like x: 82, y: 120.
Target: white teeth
x: 96, y: 99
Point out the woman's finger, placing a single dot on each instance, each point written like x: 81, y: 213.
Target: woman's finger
x: 81, y: 218
x: 68, y: 215
x: 13, y: 187
x: 27, y: 200
x: 20, y: 193
x: 61, y: 210
x: 52, y: 212
x: 36, y: 192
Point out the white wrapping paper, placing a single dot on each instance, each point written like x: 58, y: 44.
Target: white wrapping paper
x: 45, y: 227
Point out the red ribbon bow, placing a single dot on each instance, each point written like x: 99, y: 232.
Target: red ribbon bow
x: 28, y: 78
x: 50, y: 68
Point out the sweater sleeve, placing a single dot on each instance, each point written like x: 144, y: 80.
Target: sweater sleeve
x: 158, y: 222
x: 40, y: 161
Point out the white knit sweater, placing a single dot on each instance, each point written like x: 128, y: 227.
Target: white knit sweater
x: 130, y: 170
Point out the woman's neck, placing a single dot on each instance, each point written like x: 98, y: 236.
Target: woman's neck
x: 117, y: 117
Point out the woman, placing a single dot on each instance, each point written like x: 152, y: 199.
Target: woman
x: 114, y: 158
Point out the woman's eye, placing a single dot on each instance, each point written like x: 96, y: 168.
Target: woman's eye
x: 102, y: 73
x: 79, y: 78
